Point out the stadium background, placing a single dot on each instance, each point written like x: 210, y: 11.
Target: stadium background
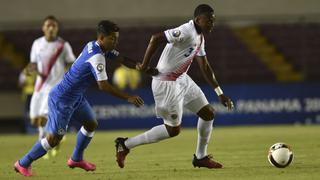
x: 265, y: 55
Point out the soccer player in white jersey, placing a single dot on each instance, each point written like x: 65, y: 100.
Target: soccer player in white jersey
x: 49, y: 56
x: 173, y: 88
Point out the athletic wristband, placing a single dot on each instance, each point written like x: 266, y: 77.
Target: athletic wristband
x: 218, y: 91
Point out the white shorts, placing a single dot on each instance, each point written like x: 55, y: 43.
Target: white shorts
x: 39, y: 104
x: 171, y: 96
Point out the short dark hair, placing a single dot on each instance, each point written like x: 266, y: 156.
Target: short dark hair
x: 107, y: 27
x: 50, y: 17
x: 202, y: 9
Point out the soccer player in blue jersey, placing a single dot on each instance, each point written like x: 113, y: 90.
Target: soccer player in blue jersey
x: 67, y: 99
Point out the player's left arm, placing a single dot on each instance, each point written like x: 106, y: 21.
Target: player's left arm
x: 130, y: 63
x: 155, y: 41
x: 69, y: 55
x: 209, y: 76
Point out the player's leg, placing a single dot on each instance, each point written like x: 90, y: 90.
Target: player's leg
x: 23, y: 166
x: 37, y: 120
x: 42, y: 121
x: 42, y: 112
x: 205, y: 122
x: 155, y: 134
x: 56, y: 149
x: 84, y: 114
x: 40, y: 149
x: 171, y: 127
x: 168, y: 108
x: 205, y: 111
x: 204, y: 127
x: 58, y: 120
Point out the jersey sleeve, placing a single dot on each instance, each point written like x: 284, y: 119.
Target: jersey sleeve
x: 98, y: 67
x: 33, y: 53
x: 176, y: 35
x: 69, y: 56
x: 112, y: 54
x: 202, y: 51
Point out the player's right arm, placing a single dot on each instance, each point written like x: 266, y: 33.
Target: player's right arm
x: 69, y: 55
x: 175, y: 35
x: 97, y: 67
x: 130, y: 63
x: 155, y: 41
x: 32, y: 67
x: 107, y: 87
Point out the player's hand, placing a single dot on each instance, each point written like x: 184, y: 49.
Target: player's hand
x: 28, y: 71
x: 136, y: 100
x: 140, y: 67
x: 226, y: 101
x: 148, y: 70
x: 151, y: 71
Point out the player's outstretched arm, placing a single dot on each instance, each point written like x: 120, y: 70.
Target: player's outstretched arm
x: 107, y: 87
x: 155, y: 41
x: 130, y: 63
x: 209, y: 76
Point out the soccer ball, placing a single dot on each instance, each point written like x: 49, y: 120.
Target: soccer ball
x: 280, y: 155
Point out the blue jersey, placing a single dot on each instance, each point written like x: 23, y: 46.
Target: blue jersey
x: 89, y: 67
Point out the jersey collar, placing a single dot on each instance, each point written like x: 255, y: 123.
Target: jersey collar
x: 96, y: 43
x: 196, y: 27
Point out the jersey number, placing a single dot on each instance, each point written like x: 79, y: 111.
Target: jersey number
x: 189, y: 52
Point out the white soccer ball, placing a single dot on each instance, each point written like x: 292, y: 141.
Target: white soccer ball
x: 280, y: 155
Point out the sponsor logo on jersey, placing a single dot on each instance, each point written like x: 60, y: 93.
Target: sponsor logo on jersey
x: 100, y: 67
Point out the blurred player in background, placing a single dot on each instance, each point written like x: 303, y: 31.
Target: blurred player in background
x: 49, y: 56
x: 26, y: 83
x: 173, y: 88
x: 66, y: 100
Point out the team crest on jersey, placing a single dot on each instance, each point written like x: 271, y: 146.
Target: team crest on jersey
x: 176, y: 33
x: 100, y: 67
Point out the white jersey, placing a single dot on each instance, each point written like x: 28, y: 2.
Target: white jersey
x: 51, y: 58
x: 183, y: 44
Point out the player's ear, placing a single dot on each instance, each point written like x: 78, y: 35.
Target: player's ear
x: 100, y: 36
x: 197, y: 20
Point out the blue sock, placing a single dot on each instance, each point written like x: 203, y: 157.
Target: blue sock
x: 35, y: 153
x: 83, y: 139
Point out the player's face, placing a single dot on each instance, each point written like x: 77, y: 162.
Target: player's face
x: 110, y: 42
x: 206, y: 22
x: 50, y: 29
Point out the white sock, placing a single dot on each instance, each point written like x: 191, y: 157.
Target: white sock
x: 204, y: 133
x: 86, y: 133
x: 153, y: 135
x: 42, y: 132
x: 45, y: 144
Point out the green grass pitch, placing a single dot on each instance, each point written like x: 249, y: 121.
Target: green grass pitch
x: 242, y: 150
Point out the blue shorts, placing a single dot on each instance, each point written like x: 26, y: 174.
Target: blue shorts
x: 60, y: 113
